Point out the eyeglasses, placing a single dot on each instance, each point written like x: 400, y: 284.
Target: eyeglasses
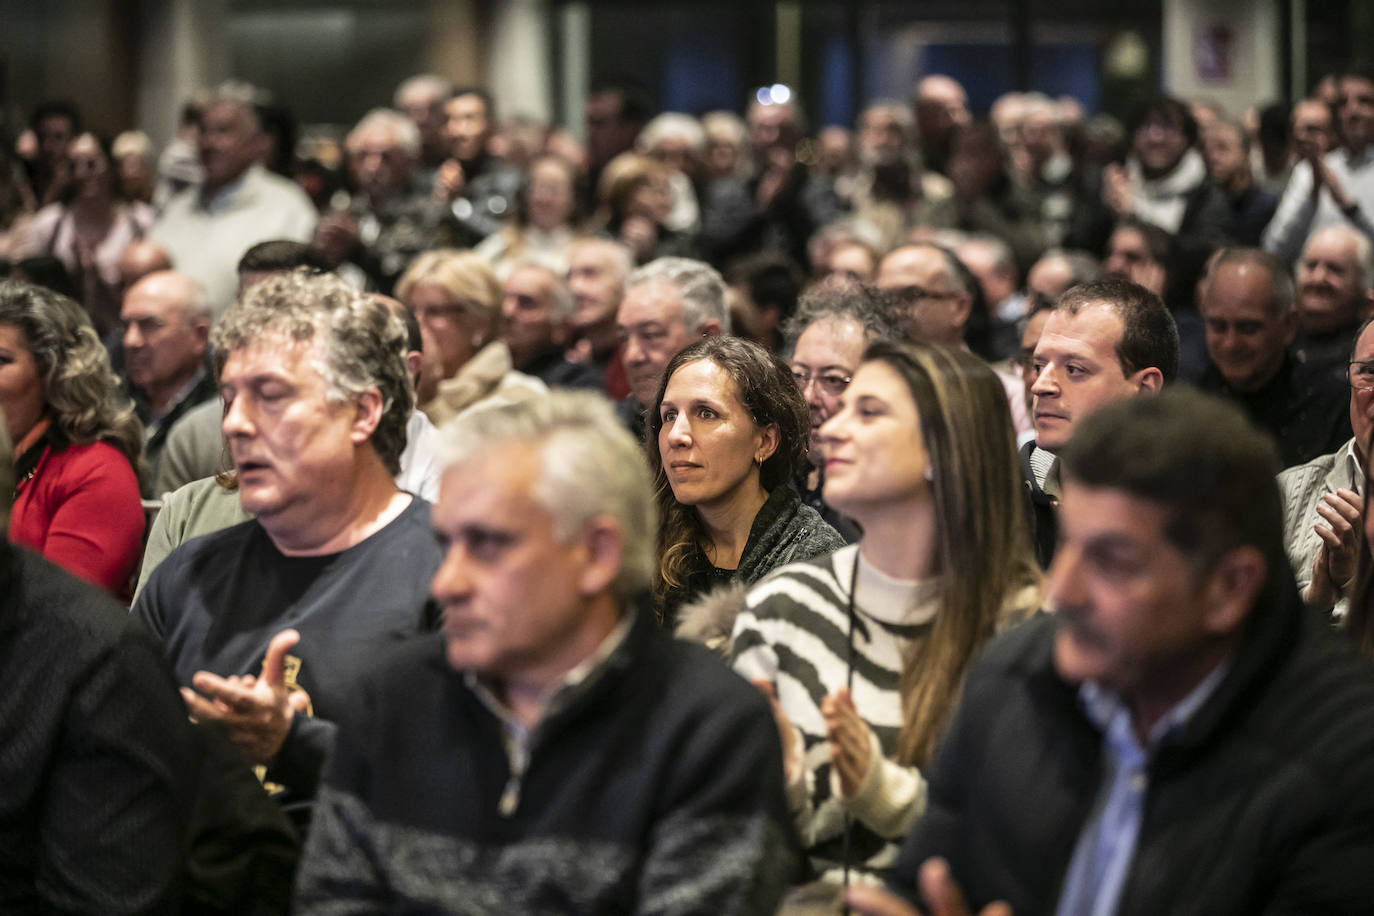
x: 832, y: 383
x: 1361, y: 375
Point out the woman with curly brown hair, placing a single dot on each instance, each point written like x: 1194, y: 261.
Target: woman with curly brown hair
x: 726, y: 433
x: 76, y: 442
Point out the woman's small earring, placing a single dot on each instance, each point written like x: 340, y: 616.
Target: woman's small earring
x: 477, y: 340
x: 930, y: 474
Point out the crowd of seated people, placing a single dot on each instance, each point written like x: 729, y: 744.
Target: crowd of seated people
x: 955, y: 515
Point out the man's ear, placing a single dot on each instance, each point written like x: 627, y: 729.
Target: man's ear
x: 1289, y: 323
x: 710, y: 328
x: 200, y: 330
x: 1232, y: 587
x: 604, y: 544
x: 369, y: 416
x: 960, y: 309
x: 1148, y: 380
x: 415, y: 362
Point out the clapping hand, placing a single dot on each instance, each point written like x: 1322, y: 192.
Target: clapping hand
x: 940, y: 894
x: 257, y: 711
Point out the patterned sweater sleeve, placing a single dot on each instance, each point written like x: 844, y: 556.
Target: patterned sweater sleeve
x: 892, y: 796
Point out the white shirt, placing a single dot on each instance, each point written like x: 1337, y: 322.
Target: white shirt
x: 419, y: 465
x: 1297, y: 217
x: 206, y: 237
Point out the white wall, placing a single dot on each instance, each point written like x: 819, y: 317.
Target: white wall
x: 519, y: 63
x: 181, y: 51
x: 1253, y: 52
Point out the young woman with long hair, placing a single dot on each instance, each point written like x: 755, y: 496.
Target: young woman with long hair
x: 863, y: 651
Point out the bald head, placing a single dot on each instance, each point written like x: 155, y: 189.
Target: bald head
x: 929, y: 292
x: 180, y: 293
x: 166, y: 318
x: 941, y: 103
x: 141, y: 258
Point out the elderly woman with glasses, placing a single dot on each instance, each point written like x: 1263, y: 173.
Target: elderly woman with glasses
x: 826, y: 335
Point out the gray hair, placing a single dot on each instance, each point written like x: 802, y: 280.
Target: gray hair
x: 429, y: 83
x: 133, y: 143
x: 560, y: 297
x: 849, y: 302
x: 589, y: 465
x: 364, y: 343
x: 1364, y: 253
x: 197, y: 304
x: 245, y: 96
x: 194, y: 301
x: 697, y: 284
x: 403, y: 131
x: 621, y: 255
x: 669, y: 125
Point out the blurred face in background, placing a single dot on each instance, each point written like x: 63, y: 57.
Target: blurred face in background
x: 230, y: 142
x: 379, y: 162
x: 550, y: 194
x: 1224, y: 149
x: 467, y: 127
x: 90, y: 168
x: 1313, y: 132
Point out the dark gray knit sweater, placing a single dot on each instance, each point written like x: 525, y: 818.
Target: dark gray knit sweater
x: 784, y: 531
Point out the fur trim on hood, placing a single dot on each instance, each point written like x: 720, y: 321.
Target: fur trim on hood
x: 711, y: 618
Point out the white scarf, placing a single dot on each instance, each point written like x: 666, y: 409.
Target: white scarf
x: 1161, y: 201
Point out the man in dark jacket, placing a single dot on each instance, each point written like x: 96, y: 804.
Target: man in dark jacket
x: 1247, y: 307
x: 556, y: 751
x: 1180, y: 736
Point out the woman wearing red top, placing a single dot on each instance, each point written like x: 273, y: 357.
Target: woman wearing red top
x: 76, y: 443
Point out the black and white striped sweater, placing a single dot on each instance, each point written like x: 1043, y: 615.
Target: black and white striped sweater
x: 794, y: 632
